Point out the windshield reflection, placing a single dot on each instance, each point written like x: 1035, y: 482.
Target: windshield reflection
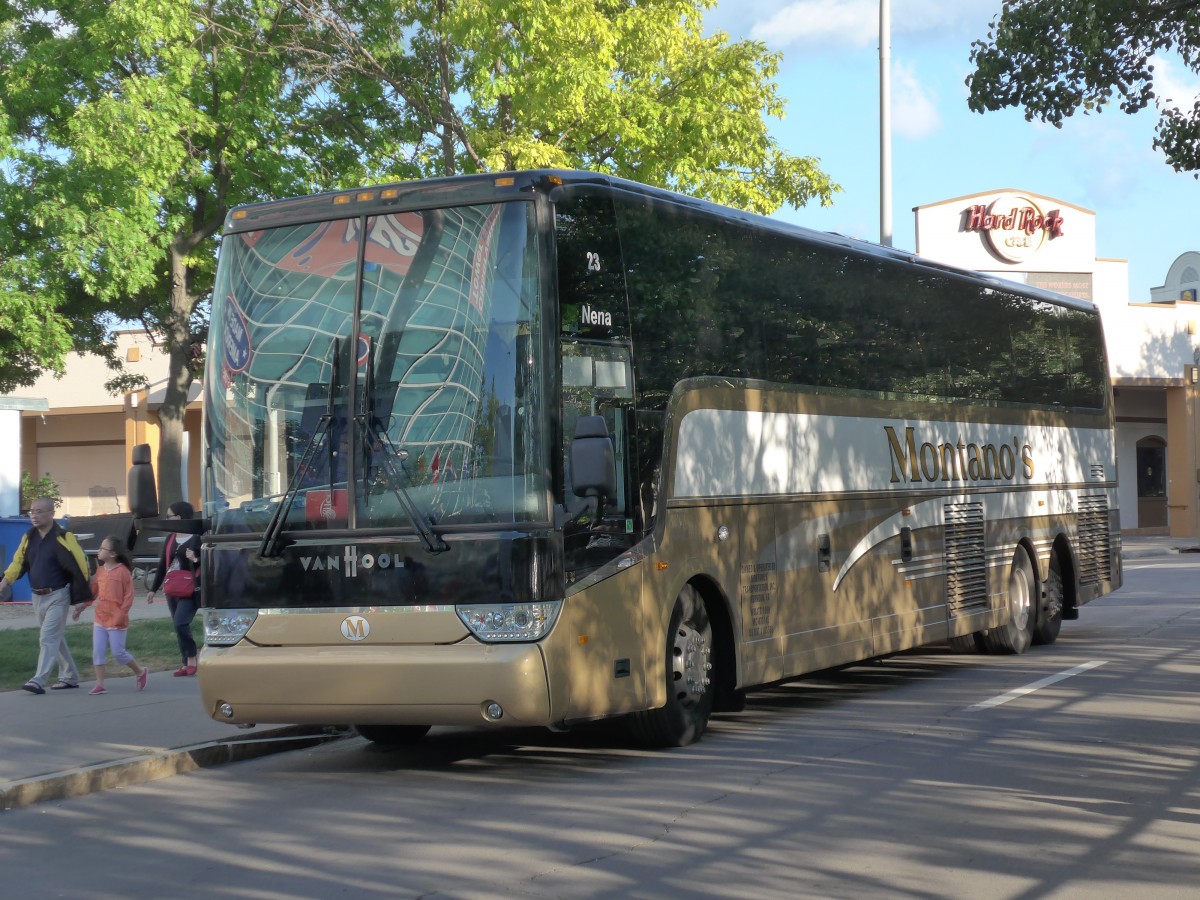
x: 441, y: 363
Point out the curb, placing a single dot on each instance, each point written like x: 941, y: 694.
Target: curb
x: 162, y: 764
x: 1154, y: 551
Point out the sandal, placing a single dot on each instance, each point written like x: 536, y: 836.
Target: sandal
x: 62, y: 686
x: 33, y: 687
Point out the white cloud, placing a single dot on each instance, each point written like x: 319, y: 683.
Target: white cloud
x: 914, y: 108
x: 830, y: 24
x: 1175, y: 85
x: 821, y: 22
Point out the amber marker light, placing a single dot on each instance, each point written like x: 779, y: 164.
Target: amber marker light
x: 341, y: 200
x: 662, y: 566
x: 583, y: 639
x: 505, y: 182
x: 389, y: 194
x: 364, y: 195
x: 239, y: 214
x: 906, y: 512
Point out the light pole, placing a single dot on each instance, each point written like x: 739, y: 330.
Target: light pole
x: 885, y: 123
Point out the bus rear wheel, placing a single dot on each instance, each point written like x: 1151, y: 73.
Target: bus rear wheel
x: 1015, y: 635
x: 689, y: 690
x: 392, y: 735
x: 966, y: 643
x: 1050, y: 615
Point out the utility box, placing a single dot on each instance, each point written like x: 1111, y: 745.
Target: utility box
x: 12, y: 528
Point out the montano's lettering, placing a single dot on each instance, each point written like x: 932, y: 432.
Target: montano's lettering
x: 957, y: 461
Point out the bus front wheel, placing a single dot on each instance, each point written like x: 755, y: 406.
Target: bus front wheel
x: 689, y: 688
x: 1015, y: 635
x: 392, y: 735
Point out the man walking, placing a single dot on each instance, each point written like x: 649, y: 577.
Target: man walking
x: 58, y: 573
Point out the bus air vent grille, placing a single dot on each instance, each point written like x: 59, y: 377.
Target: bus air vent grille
x: 1093, y: 539
x: 966, y: 558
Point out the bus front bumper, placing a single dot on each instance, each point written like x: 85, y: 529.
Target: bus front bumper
x: 456, y: 684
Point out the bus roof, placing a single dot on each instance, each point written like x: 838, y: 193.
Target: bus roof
x: 494, y: 187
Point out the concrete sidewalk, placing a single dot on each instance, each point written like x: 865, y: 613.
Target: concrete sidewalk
x: 68, y: 743
x: 1136, y: 547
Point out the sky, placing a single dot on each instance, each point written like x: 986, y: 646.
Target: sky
x: 829, y: 76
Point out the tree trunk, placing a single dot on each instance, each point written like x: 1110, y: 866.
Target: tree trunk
x: 179, y: 380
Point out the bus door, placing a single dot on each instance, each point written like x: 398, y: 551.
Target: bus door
x: 600, y: 523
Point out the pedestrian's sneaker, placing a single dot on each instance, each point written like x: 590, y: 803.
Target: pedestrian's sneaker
x: 99, y: 689
x: 142, y: 677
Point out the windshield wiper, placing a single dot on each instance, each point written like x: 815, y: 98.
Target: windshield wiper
x: 423, y: 523
x: 374, y: 435
x: 272, y: 541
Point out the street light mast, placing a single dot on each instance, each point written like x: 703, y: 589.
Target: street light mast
x: 885, y: 123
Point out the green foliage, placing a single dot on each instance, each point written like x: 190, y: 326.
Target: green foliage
x: 634, y: 90
x: 129, y: 128
x: 1055, y: 57
x: 42, y: 487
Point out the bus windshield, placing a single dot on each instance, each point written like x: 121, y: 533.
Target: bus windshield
x: 378, y: 370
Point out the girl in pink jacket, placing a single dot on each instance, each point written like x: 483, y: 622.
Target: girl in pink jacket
x: 112, y: 593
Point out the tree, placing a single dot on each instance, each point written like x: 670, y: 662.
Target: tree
x: 632, y: 89
x: 131, y: 127
x: 1055, y: 57
x: 128, y: 130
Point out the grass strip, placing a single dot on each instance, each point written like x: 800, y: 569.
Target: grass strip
x: 151, y: 641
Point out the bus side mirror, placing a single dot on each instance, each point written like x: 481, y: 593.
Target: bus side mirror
x: 143, y: 493
x: 593, y: 466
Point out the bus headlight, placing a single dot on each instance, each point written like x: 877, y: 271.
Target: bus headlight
x: 510, y: 621
x: 223, y: 627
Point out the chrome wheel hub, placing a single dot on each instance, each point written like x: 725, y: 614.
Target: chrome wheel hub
x: 690, y: 663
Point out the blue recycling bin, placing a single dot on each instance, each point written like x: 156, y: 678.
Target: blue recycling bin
x: 11, y: 530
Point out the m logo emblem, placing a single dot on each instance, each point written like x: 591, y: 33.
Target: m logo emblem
x: 355, y: 628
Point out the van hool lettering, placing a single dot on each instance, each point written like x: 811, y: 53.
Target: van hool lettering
x: 956, y: 459
x: 349, y: 563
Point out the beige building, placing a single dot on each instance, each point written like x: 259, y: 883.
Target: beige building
x: 1153, y: 346
x: 74, y: 431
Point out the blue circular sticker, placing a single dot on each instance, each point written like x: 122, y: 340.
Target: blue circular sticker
x: 235, y: 338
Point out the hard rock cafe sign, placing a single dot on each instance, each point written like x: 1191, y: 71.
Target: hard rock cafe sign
x: 1013, y: 226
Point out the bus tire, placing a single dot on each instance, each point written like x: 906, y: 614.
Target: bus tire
x: 689, y: 690
x: 965, y: 643
x: 392, y: 735
x: 1015, y: 635
x: 1050, y: 613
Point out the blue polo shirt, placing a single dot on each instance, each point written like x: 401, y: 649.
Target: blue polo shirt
x: 44, y: 569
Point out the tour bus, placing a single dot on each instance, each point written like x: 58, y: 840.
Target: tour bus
x: 549, y: 447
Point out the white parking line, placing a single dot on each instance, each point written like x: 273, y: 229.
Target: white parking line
x: 1037, y: 685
